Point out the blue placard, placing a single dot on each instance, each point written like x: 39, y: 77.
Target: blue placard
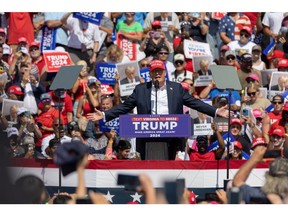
x: 48, y: 41
x: 92, y: 17
x: 106, y: 73
x: 144, y: 73
x: 269, y: 47
x: 176, y: 125
x: 107, y: 126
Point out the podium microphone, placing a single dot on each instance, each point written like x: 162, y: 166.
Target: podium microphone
x: 156, y: 85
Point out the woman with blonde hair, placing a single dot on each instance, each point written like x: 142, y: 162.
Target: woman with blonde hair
x: 115, y: 55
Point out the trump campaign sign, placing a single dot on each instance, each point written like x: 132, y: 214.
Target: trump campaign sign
x: 194, y: 48
x: 56, y: 59
x: 48, y: 40
x: 128, y: 46
x: 108, y: 126
x: 92, y: 17
x: 106, y: 72
x: 176, y: 125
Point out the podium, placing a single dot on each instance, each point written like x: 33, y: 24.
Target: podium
x: 157, y: 136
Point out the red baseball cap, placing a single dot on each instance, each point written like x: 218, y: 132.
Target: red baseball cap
x: 257, y: 113
x: 278, y: 54
x: 225, y: 47
x: 237, y: 144
x: 34, y: 44
x: 22, y: 39
x: 258, y: 141
x: 156, y: 64
x: 247, y: 29
x: 2, y: 31
x: 15, y: 90
x: 185, y: 86
x: 236, y: 121
x: 283, y: 63
x: 253, y: 76
x: 156, y: 23
x: 279, y: 132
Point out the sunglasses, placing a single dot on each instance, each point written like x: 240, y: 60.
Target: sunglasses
x: 157, y: 27
x: 251, y: 94
x: 144, y: 65
x: 33, y: 49
x: 277, y: 102
x: 259, y: 119
x: 46, y: 100
x: 179, y: 62
x: 163, y: 53
x: 251, y: 80
x: 245, y: 35
x: 230, y: 57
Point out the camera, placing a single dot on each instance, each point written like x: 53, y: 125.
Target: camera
x: 130, y: 182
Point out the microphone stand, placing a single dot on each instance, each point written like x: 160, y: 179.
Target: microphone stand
x: 156, y: 85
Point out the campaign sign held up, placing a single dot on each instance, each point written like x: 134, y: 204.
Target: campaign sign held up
x: 107, y: 126
x: 176, y: 125
x: 144, y: 73
x: 92, y: 17
x: 106, y: 73
x: 56, y: 59
x: 48, y: 40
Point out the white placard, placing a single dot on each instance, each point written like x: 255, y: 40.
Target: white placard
x: 194, y: 48
x: 103, y: 35
x: 203, y: 81
x: 7, y: 103
x: 127, y: 88
x: 202, y: 129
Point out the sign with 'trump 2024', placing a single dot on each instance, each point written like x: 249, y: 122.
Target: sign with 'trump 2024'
x: 145, y: 126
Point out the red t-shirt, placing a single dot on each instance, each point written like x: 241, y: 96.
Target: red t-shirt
x: 81, y: 90
x: 274, y: 117
x: 207, y: 156
x: 87, y: 108
x: 40, y: 64
x: 68, y: 105
x: 20, y: 25
x: 46, y: 119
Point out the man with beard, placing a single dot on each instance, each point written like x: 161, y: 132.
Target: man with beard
x: 246, y: 69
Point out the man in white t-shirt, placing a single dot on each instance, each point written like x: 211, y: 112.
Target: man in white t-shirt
x: 244, y: 45
x: 179, y: 74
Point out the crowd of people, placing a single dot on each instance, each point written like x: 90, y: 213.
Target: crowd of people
x: 35, y: 121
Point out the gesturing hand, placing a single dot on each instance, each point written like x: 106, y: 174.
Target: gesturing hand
x: 96, y: 116
x: 223, y: 112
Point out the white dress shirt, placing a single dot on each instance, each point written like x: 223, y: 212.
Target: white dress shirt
x: 46, y: 140
x: 162, y: 100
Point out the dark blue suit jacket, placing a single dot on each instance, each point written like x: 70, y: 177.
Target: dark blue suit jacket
x: 177, y: 97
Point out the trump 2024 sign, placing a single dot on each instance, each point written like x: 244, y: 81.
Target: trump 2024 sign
x: 155, y: 126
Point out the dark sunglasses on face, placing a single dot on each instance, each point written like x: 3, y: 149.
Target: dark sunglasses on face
x: 179, y: 62
x: 156, y: 27
x: 277, y: 102
x: 33, y: 49
x: 144, y: 65
x: 259, y: 119
x: 243, y: 34
x: 46, y: 100
x: 230, y: 57
x: 251, y: 94
x: 163, y: 53
x: 250, y: 80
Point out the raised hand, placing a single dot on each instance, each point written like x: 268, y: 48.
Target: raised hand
x: 96, y: 116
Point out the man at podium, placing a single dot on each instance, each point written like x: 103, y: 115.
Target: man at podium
x: 170, y: 100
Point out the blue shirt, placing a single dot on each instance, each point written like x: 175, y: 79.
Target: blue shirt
x: 61, y: 35
x: 227, y: 25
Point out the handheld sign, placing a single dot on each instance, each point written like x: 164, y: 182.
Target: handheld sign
x: 92, y: 17
x: 55, y: 59
x: 106, y: 72
x: 128, y: 46
x: 48, y: 40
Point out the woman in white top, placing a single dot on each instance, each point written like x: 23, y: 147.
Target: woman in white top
x: 258, y: 64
